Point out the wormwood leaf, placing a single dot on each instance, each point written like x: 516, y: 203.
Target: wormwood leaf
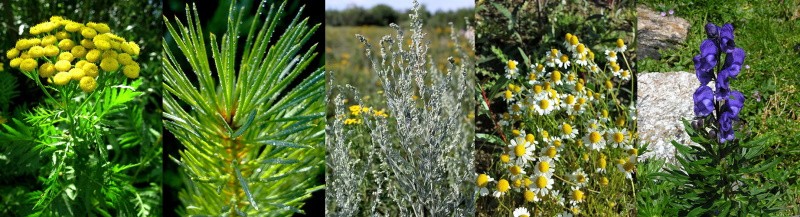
x: 245, y: 187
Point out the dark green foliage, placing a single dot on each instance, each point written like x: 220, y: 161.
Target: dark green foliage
x: 726, y: 179
x: 383, y: 15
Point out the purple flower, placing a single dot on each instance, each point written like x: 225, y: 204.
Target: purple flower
x: 663, y: 14
x: 722, y: 99
x: 671, y: 11
x: 726, y: 35
x: 703, y: 101
x: 705, y: 61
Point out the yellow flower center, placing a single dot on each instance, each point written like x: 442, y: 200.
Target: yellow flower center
x: 557, y: 143
x: 568, y: 37
x: 512, y: 65
x: 609, y: 85
x: 620, y: 121
x: 508, y: 94
x: 602, y: 162
x: 516, y: 108
x: 581, y: 48
x: 483, y: 180
x: 502, y: 186
x: 605, y: 113
x: 515, y: 170
x: 539, y: 68
x: 625, y: 73
x: 544, y: 166
x: 566, y: 128
x: 620, y: 43
x: 547, y: 85
x: 619, y: 137
x: 554, y: 53
x: 612, y: 54
x: 633, y: 151
x: 571, y: 77
x: 541, y: 181
x: 556, y: 76
x: 519, y: 150
x: 570, y: 99
x: 530, y: 196
x: 585, y: 156
x: 545, y: 134
x: 529, y: 137
x: 564, y: 58
x: 595, y: 137
x: 517, y: 183
x: 604, y: 181
x: 515, y: 132
x: 551, y: 152
x: 577, y: 195
x: 544, y: 103
x: 574, y: 40
x: 579, y: 87
x: 505, y: 158
x: 629, y: 166
x: 537, y: 88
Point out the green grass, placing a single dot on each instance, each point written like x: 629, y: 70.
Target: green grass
x: 769, y: 31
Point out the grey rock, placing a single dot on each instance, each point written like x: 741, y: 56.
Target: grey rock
x: 655, y: 32
x: 663, y: 101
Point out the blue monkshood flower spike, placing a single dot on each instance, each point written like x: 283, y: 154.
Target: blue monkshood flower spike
x: 728, y: 103
x: 703, y: 101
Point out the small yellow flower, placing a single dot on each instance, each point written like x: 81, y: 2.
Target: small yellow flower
x: 88, y: 84
x: 36, y: 51
x: 130, y: 71
x: 12, y: 53
x: 28, y: 65
x: 49, y: 40
x: 79, y: 51
x: 505, y: 158
x: 66, y: 44
x: 88, y: 44
x: 93, y: 55
x: 47, y: 70
x: 355, y: 109
x: 14, y: 63
x: 63, y: 65
x: 76, y: 74
x: 88, y: 32
x: 61, y: 78
x: 66, y: 56
x: 502, y: 188
x: 101, y: 44
x: 110, y: 65
x: 91, y: 69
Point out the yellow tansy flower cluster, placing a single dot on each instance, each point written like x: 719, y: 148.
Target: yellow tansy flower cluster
x: 62, y: 50
x: 356, y: 111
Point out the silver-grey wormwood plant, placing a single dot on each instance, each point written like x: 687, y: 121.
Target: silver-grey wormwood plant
x: 419, y: 160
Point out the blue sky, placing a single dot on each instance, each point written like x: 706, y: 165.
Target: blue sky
x: 432, y: 5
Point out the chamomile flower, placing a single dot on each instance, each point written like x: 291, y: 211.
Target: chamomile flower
x: 545, y: 166
x: 567, y: 39
x: 505, y: 119
x: 521, y: 150
x: 556, y: 195
x: 563, y: 61
x: 571, y: 78
x: 516, y: 173
x: 543, y: 106
x: 545, y: 135
x: 580, y: 51
x: 616, y: 70
x: 555, y: 77
x: 542, y: 184
x: 594, y: 140
x: 576, y: 196
x: 508, y: 96
x: 538, y: 68
x: 552, y: 56
x: 521, y: 212
x: 505, y: 159
x: 502, y: 188
x: 603, y: 116
x: 533, y: 78
x: 572, y: 43
x: 579, y: 177
x: 567, y: 131
x: 551, y: 152
x: 611, y: 55
x: 627, y: 166
x: 617, y: 137
x: 481, y: 184
x: 530, y: 138
x: 516, y: 108
x: 620, y: 46
x: 581, y: 60
x: 593, y: 68
x: 511, y: 69
x: 601, y: 163
x: 530, y: 196
x: 625, y: 75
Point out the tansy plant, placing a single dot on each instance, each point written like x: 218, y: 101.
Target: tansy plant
x: 251, y: 123
x: 72, y: 140
x: 563, y: 138
x: 417, y: 160
x: 723, y: 175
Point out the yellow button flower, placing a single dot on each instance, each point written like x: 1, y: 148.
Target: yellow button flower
x: 76, y: 74
x: 47, y: 70
x: 109, y: 64
x: 51, y: 50
x: 63, y: 65
x: 131, y: 71
x: 62, y: 78
x: 28, y: 65
x: 12, y: 53
x: 87, y: 84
